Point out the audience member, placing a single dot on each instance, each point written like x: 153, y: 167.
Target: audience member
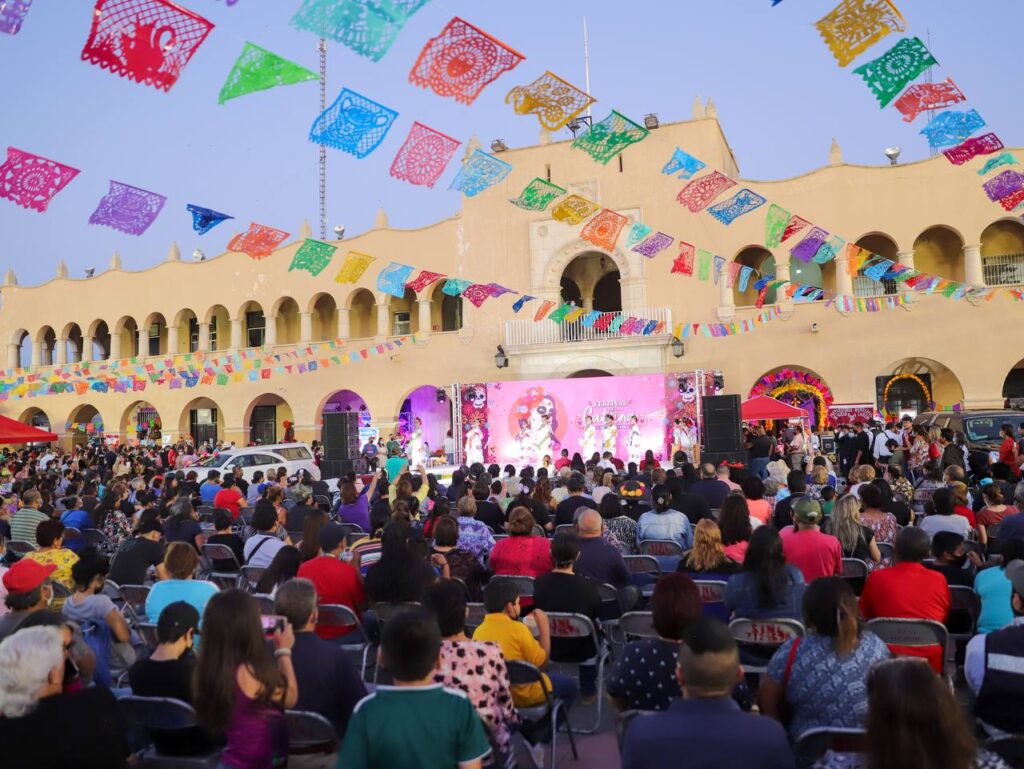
x: 284, y: 567
x: 262, y: 546
x: 806, y: 547
x: 336, y: 581
x: 884, y: 525
x: 28, y: 517
x: 706, y: 725
x: 138, y: 555
x: 167, y: 672
x: 856, y: 539
x: 759, y: 507
x: 462, y: 564
x: 28, y: 590
x: 710, y: 488
x: 994, y: 589
x: 400, y: 575
x: 327, y: 681
x: 180, y: 563
x: 767, y: 587
x: 89, y: 607
x: 951, y: 561
x: 796, y: 486
x: 488, y: 512
x: 225, y: 535
x: 821, y: 678
x: 51, y: 552
x: 734, y: 520
x: 908, y: 590
x: 601, y: 561
x: 565, y: 511
x: 474, y: 536
x: 707, y: 558
x: 664, y: 522
x: 943, y: 517
x: 523, y: 553
x: 416, y: 722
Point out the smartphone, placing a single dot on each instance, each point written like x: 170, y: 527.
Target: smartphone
x: 271, y: 622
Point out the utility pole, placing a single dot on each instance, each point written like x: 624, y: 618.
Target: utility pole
x: 323, y: 148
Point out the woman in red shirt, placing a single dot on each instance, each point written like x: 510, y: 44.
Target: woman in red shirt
x: 1009, y: 452
x: 523, y: 553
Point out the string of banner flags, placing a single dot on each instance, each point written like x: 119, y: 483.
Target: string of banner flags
x: 854, y: 26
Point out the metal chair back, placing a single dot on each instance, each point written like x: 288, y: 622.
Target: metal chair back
x: 814, y: 743
x: 711, y: 590
x: 887, y: 550
x: 147, y: 632
x: 337, y: 616
x: 134, y: 597
x: 523, y: 584
x: 214, y: 553
x: 96, y: 538
x: 642, y: 564
x: 251, y: 575
x: 309, y: 733
x: 20, y: 547
x: 910, y: 632
x: 659, y: 547
x: 964, y: 610
x: 765, y: 632
x: 855, y: 572
x: 566, y: 528
x: 475, y: 616
x: 266, y: 602
x: 637, y: 624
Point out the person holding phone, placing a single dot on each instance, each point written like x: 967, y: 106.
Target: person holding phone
x: 245, y: 688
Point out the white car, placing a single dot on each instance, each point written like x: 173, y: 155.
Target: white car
x: 294, y: 457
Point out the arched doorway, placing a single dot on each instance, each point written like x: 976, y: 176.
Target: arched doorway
x: 266, y: 417
x: 71, y: 338
x: 403, y: 315
x: 187, y: 324
x: 324, y: 311
x: 85, y: 424
x: 1013, y: 386
x: 349, y: 401
x: 141, y: 422
x: 287, y: 328
x: 125, y: 338
x: 154, y: 335
x: 101, y: 340
x: 219, y: 322
x: 761, y: 261
x: 35, y: 417
x: 940, y: 251
x: 20, y: 352
x: 433, y: 407
x: 46, y: 338
x: 883, y: 245
x: 798, y: 387
x: 254, y: 324
x: 202, y: 420
x: 445, y: 310
x: 1002, y: 253
x: 913, y: 385
x: 595, y: 277
x: 363, y: 314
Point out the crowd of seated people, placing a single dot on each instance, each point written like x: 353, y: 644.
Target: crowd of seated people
x: 141, y: 609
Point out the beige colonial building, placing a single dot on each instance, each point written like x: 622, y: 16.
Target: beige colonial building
x: 930, y: 215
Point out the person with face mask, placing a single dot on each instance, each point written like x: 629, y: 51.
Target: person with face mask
x: 167, y: 672
x: 28, y: 590
x: 951, y: 561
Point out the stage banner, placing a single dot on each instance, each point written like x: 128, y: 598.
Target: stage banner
x: 521, y: 422
x: 848, y: 413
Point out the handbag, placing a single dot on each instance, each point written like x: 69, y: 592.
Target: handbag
x: 785, y: 716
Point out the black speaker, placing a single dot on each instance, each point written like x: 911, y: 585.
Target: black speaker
x: 335, y: 468
x: 341, y: 435
x: 721, y: 424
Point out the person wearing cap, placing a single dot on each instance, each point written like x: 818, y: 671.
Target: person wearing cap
x: 138, y: 554
x: 336, y: 581
x: 167, y: 672
x: 994, y: 663
x: 328, y: 681
x: 28, y: 590
x: 806, y: 547
x: 908, y: 590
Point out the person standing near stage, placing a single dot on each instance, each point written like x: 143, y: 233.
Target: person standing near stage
x: 609, y: 434
x: 588, y: 441
x: 475, y: 444
x: 417, y: 456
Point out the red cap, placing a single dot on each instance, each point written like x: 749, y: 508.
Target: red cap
x: 26, y: 575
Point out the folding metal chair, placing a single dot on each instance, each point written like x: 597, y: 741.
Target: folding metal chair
x: 911, y: 633
x: 251, y: 575
x: 551, y: 709
x: 964, y: 610
x: 763, y: 636
x: 814, y: 743
x: 310, y: 734
x: 213, y: 553
x: 474, y: 616
x: 20, y: 547
x: 659, y: 547
x: 578, y: 626
x: 712, y: 595
x: 637, y: 624
x: 96, y: 538
x: 642, y: 564
x: 134, y: 597
x: 568, y: 528
x: 855, y: 571
x: 148, y: 634
x: 523, y: 584
x: 171, y: 726
x: 622, y: 724
x: 888, y: 552
x: 266, y: 603
x: 336, y: 615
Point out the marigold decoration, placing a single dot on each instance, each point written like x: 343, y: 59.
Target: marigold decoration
x: 903, y: 377
x: 554, y: 101
x: 313, y: 256
x: 951, y: 127
x: 743, y: 202
x: 478, y: 172
x: 205, y: 219
x: 127, y: 208
x: 986, y: 144
x: 12, y: 14
x: 604, y: 229
x: 682, y: 165
x: 573, y: 210
x: 257, y: 69
x: 893, y: 71
x: 699, y: 193
x: 928, y: 96
x: 148, y: 41
x: 789, y: 381
x: 537, y: 195
x: 423, y: 156
x: 353, y: 267
x: 259, y: 241
x: 353, y: 124
x: 607, y: 138
x: 653, y: 245
x: 31, y: 181
x: 368, y: 27
x: 462, y: 61
x: 853, y: 26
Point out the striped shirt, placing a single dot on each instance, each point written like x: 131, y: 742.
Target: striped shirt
x: 24, y: 522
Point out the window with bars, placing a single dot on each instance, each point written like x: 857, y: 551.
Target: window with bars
x: 1003, y: 270
x: 864, y: 286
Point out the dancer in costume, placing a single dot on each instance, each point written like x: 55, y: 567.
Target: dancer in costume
x: 633, y: 443
x: 609, y: 434
x: 416, y: 448
x: 588, y: 442
x: 475, y: 444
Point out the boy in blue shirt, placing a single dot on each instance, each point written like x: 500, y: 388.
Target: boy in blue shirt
x: 414, y: 724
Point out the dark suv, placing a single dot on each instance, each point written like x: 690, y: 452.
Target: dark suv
x: 981, y: 428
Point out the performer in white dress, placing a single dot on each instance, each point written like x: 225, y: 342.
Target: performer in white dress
x: 588, y: 441
x: 609, y: 434
x: 475, y: 444
x: 545, y: 440
x: 416, y: 448
x: 523, y: 444
x: 634, y: 443
x: 684, y: 439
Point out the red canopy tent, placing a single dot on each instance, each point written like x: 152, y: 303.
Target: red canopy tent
x: 763, y: 407
x: 13, y: 431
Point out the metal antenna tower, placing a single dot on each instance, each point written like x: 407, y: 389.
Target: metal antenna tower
x: 323, y: 148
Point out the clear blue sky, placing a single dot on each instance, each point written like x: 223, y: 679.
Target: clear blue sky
x: 780, y: 96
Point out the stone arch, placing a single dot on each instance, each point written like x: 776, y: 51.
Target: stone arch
x: 81, y: 416
x: 556, y: 265
x: 584, y: 362
x: 46, y: 342
x: 944, y: 388
x: 799, y: 386
x: 323, y: 309
x: 154, y: 329
x: 422, y: 402
x: 883, y: 244
x: 285, y: 317
x: 99, y: 330
x: 1002, y: 252
x: 218, y: 320
x: 403, y: 313
x: 757, y: 258
x: 346, y: 400
x: 588, y: 373
x: 203, y: 420
x: 36, y: 417
x: 126, y: 334
x: 254, y: 323
x: 363, y: 310
x: 265, y: 419
x: 446, y: 312
x: 141, y: 421
x: 186, y: 320
x: 72, y: 339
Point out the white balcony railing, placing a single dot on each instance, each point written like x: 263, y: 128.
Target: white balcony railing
x: 1004, y: 270
x: 527, y: 332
